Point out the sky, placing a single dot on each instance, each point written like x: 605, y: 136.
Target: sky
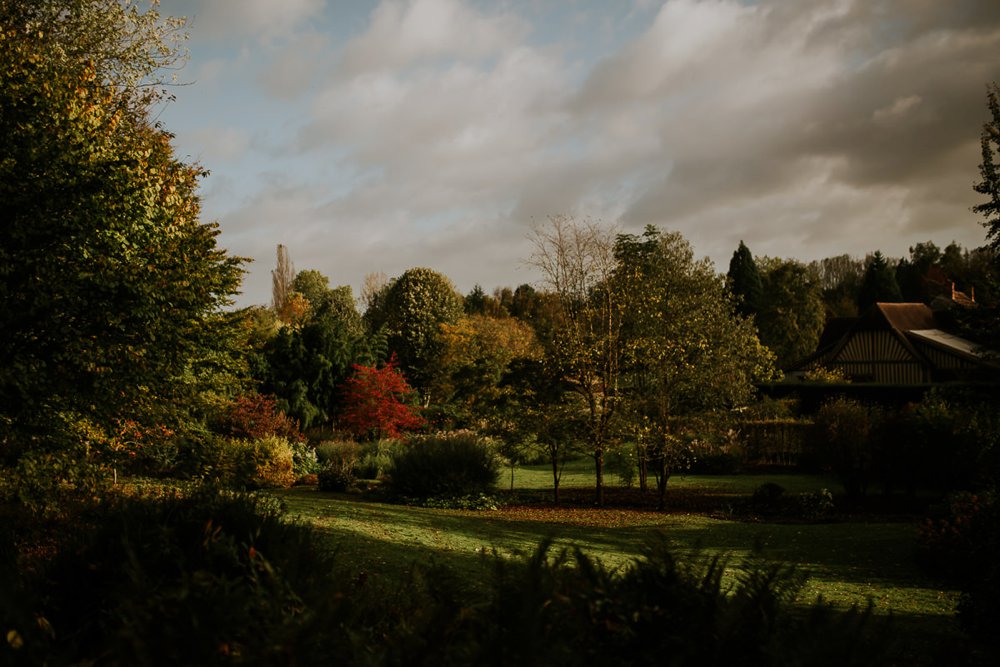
x: 376, y: 136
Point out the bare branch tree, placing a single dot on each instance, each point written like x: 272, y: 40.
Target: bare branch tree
x: 576, y: 259
x: 281, y: 280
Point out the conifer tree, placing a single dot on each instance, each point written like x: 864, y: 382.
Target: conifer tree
x: 744, y: 281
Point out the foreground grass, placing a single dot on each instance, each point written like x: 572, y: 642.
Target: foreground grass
x: 850, y: 563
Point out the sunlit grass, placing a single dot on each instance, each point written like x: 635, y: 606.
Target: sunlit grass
x: 850, y: 563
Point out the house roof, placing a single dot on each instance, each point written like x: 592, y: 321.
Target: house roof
x: 899, y: 316
x: 913, y: 325
x: 949, y: 342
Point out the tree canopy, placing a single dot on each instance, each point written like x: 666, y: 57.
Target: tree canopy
x: 878, y: 284
x: 412, y: 309
x: 745, y: 281
x: 989, y: 170
x: 792, y: 314
x: 111, y: 286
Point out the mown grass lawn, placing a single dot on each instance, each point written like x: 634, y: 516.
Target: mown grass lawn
x: 853, y: 561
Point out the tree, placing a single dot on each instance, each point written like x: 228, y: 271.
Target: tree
x: 475, y: 354
x: 412, y: 310
x: 989, y: 170
x: 792, y: 314
x: 576, y: 259
x: 111, y: 288
x: 878, y: 284
x: 840, y: 279
x: 376, y: 403
x: 337, y: 302
x: 306, y: 365
x: 745, y: 281
x: 912, y: 273
x: 281, y: 281
x: 686, y: 351
x: 537, y: 407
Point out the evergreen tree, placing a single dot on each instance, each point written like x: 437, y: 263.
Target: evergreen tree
x: 990, y: 170
x: 879, y: 283
x: 744, y: 281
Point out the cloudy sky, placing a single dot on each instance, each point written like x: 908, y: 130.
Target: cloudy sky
x: 381, y: 135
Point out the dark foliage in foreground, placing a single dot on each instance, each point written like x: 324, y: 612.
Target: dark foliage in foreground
x: 221, y: 578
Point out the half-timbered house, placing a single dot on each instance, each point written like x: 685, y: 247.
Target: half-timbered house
x: 900, y: 344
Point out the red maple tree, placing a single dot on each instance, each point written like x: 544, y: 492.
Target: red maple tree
x: 375, y: 402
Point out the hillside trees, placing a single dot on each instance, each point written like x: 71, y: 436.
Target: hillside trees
x: 308, y: 360
x: 111, y: 287
x: 475, y: 354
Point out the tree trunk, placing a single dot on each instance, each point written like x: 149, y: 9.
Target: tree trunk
x: 661, y: 484
x: 555, y: 478
x: 599, y: 474
x: 643, y: 468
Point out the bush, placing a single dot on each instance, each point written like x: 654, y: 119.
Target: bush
x: 948, y: 442
x: 375, y: 459
x: 255, y: 416
x: 962, y: 546
x: 167, y: 579
x: 843, y: 437
x: 241, y: 464
x: 304, y: 458
x: 621, y: 461
x: 444, y: 464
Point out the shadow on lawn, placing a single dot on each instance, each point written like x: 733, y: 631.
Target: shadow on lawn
x: 390, y: 543
x: 857, y: 552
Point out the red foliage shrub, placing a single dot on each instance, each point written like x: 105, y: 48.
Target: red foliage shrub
x: 255, y: 416
x: 375, y: 403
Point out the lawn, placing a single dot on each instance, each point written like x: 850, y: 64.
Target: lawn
x: 849, y: 562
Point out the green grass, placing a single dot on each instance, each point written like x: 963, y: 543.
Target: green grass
x: 579, y: 473
x: 849, y: 563
x: 860, y: 561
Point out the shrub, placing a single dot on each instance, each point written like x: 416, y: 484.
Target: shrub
x: 815, y: 504
x: 459, y: 463
x: 766, y: 496
x: 335, y: 478
x: 241, y: 464
x: 947, y: 442
x: 962, y: 546
x: 375, y: 459
x: 843, y: 437
x: 255, y: 416
x: 167, y: 579
x: 621, y: 461
x: 304, y: 458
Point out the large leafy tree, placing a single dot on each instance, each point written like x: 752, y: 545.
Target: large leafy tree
x: 111, y: 287
x: 412, y: 309
x: 840, y: 279
x: 686, y: 351
x: 792, y: 313
x: 475, y: 354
